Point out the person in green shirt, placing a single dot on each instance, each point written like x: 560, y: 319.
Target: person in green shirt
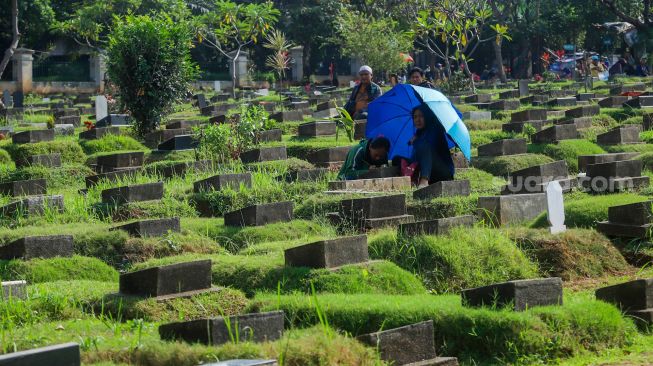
x: 366, y: 154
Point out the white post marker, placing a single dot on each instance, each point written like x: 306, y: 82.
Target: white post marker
x: 101, y: 107
x: 555, y: 207
x: 217, y: 85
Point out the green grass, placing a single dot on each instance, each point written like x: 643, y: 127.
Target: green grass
x: 585, y: 211
x: 475, y: 336
x: 482, y: 137
x: 70, y: 150
x: 464, y: 258
x: 567, y: 150
x: 504, y: 165
x: 111, y: 143
x: 572, y: 255
x: 57, y: 269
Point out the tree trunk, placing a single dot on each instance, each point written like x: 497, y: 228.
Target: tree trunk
x: 234, y: 77
x: 498, y: 56
x: 9, y: 53
x: 470, y: 75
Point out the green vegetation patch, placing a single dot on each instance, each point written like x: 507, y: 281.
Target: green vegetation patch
x: 482, y: 137
x: 574, y: 254
x: 66, y: 176
x: 504, y: 165
x: 70, y: 150
x: 57, y: 269
x: 464, y: 258
x: 442, y: 207
x: 111, y: 143
x: 567, y: 150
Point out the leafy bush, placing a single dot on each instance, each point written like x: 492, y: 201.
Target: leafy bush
x: 149, y: 60
x: 466, y: 257
x: 111, y: 143
x: 5, y: 158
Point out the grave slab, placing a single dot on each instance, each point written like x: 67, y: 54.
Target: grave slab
x: 580, y: 123
x: 255, y: 327
x: 382, y: 172
x: 178, y: 143
x: 583, y: 111
x: 152, y: 227
x: 520, y: 294
x: 620, y: 135
x: 478, y: 98
x: 642, y: 101
x: 628, y: 221
x: 326, y: 113
x: 503, y: 147
x: 99, y: 132
x: 182, y: 168
x: 272, y: 135
x: 618, y: 90
x: 449, y: 188
x: 404, y: 345
x: 133, y: 193
x: 562, y: 102
x: 319, y: 128
x: 477, y: 115
x: 509, y: 209
x: 435, y: 227
x: 183, y: 124
x: 66, y: 354
x: 114, y: 120
x: 529, y: 115
x: 585, y: 97
x: 69, y: 120
x: 46, y: 160
x: 305, y: 175
x: 24, y: 187
x: 92, y: 180
x: 613, y: 102
x: 510, y: 94
x: 154, y: 138
x: 585, y: 160
x: 631, y: 295
x: 371, y: 185
x: 174, y: 279
x: 287, y: 116
x: 504, y: 105
x: 518, y: 127
x: 329, y: 156
x: 328, y: 253
x: 15, y: 290
x: 31, y: 247
x: 221, y: 181
x: 373, y: 207
x: 242, y: 362
x: 33, y: 205
x: 555, y: 133
x: 111, y: 162
x: 259, y: 215
x: 264, y: 154
x: 32, y: 136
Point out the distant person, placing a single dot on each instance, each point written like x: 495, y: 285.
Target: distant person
x: 416, y: 76
x: 365, y: 155
x: 438, y: 73
x: 363, y: 94
x: 642, y: 68
x: 485, y: 74
x: 427, y: 73
x: 394, y: 80
x: 596, y: 67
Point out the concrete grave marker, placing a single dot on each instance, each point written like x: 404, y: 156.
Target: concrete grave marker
x: 520, y: 294
x: 19, y: 98
x: 153, y: 227
x: 259, y: 215
x: 217, y: 85
x: 174, y: 280
x: 7, y: 100
x: 13, y: 290
x: 47, y: 246
x: 328, y: 253
x: 101, y: 107
x: 635, y: 298
x: 133, y: 193
x: 66, y: 354
x: 555, y: 207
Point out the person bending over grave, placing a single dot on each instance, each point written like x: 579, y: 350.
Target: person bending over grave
x: 417, y: 78
x: 363, y: 94
x: 368, y: 154
x: 431, y: 157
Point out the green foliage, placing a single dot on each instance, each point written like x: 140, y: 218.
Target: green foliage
x: 376, y: 42
x: 504, y: 165
x: 70, y: 150
x: 346, y: 123
x: 66, y: 176
x: 5, y: 158
x: 567, y: 150
x: 486, y: 136
x: 475, y: 336
x: 111, y: 143
x: 149, y: 60
x: 57, y: 269
x: 464, y: 258
x: 574, y: 254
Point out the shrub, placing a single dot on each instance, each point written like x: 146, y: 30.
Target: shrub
x: 647, y: 160
x: 149, y: 60
x: 574, y: 254
x: 482, y: 137
x: 504, y: 165
x: 5, y: 158
x: 111, y: 143
x: 567, y: 150
x: 464, y: 258
x: 70, y: 151
x: 57, y: 269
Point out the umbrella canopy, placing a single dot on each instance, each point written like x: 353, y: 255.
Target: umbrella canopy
x: 391, y: 116
x: 406, y: 57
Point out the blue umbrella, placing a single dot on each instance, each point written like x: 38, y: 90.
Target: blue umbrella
x: 390, y: 115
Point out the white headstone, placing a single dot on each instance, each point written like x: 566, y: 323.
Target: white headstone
x: 263, y: 92
x: 352, y: 83
x: 217, y: 85
x: 555, y: 207
x: 101, y: 109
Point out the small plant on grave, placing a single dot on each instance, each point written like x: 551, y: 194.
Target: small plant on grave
x: 346, y: 123
x: 456, y: 84
x: 50, y: 122
x: 529, y: 130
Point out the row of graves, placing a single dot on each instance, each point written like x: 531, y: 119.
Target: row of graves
x: 528, y: 193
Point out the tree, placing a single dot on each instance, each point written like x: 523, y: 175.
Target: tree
x: 376, y: 42
x: 453, y: 30
x: 149, y: 61
x: 279, y: 60
x: 230, y: 28
x: 9, y: 53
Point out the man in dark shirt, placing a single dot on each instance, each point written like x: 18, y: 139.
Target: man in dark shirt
x: 416, y: 76
x: 363, y: 94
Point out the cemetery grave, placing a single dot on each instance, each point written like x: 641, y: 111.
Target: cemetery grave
x: 166, y: 247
